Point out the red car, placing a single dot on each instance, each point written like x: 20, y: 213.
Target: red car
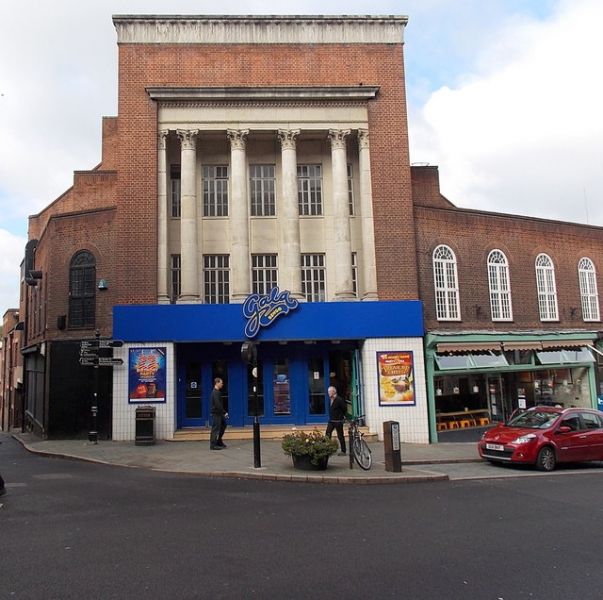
x: 544, y: 436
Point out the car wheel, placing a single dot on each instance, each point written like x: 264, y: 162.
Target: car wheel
x: 546, y: 460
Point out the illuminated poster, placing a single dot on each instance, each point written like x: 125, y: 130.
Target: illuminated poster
x: 146, y: 374
x: 396, y: 379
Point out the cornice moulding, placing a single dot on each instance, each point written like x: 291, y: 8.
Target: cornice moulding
x: 351, y: 93
x: 259, y: 29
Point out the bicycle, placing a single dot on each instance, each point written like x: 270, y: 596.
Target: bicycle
x: 358, y: 447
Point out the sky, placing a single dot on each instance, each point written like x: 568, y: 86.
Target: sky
x: 504, y: 96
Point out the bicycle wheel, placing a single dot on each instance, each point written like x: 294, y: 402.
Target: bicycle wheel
x: 362, y: 454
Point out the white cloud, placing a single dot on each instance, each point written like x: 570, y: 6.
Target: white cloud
x: 12, y: 251
x: 523, y: 133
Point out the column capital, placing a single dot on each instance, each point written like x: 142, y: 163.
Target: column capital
x: 238, y: 138
x: 288, y: 138
x: 187, y: 138
x: 162, y: 138
x: 363, y: 139
x: 337, y: 138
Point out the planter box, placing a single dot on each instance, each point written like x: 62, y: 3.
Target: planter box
x: 303, y: 463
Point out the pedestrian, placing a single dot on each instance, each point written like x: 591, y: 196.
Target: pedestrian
x: 337, y: 410
x: 218, y: 417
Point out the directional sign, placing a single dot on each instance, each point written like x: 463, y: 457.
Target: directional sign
x: 88, y: 345
x: 102, y: 361
x: 88, y: 355
x: 89, y: 361
x: 110, y: 343
x: 109, y: 362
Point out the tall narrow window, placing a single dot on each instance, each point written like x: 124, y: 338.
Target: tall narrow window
x: 351, y: 189
x: 547, y: 289
x: 262, y: 184
x: 355, y: 274
x: 175, y: 191
x: 215, y: 191
x: 216, y: 279
x: 313, y: 277
x: 175, y: 277
x: 82, y: 290
x: 309, y: 189
x: 587, y: 277
x: 445, y: 280
x: 500, y: 289
x: 263, y: 273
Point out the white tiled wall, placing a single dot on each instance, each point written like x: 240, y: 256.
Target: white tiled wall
x: 414, y: 425
x: 124, y: 414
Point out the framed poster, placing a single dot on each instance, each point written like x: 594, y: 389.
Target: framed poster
x: 396, y: 379
x: 146, y: 375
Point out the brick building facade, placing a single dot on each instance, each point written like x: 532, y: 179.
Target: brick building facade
x: 251, y: 154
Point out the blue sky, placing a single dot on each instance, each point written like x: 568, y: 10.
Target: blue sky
x: 501, y: 97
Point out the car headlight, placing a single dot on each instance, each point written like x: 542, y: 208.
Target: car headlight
x: 524, y: 439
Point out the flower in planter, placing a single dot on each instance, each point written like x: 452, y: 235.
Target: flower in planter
x: 313, y: 443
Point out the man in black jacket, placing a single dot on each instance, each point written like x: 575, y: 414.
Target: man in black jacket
x: 218, y: 417
x: 337, y: 410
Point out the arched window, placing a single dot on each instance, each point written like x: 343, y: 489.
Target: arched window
x: 500, y: 288
x: 587, y: 277
x: 445, y: 283
x: 547, y: 289
x: 82, y: 290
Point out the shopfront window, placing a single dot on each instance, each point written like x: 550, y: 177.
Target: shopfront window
x: 579, y: 355
x: 281, y: 388
x: 316, y: 386
x: 470, y: 361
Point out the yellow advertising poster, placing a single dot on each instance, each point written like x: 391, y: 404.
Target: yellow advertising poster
x: 396, y: 379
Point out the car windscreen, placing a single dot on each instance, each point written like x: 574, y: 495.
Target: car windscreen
x: 533, y: 419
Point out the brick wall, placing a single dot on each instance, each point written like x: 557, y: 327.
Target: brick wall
x: 473, y: 234
x: 142, y: 66
x: 63, y: 237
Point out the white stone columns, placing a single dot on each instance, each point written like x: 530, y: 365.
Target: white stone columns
x: 341, y: 220
x: 189, y: 270
x: 240, y: 275
x: 369, y: 269
x: 162, y: 220
x: 289, y: 267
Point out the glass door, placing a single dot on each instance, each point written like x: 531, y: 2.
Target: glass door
x: 192, y: 413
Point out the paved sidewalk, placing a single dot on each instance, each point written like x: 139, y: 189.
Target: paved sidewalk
x: 419, y: 461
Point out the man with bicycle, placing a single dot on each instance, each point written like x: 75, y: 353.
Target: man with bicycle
x: 337, y: 410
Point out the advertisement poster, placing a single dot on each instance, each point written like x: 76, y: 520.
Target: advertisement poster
x: 396, y: 379
x: 146, y: 375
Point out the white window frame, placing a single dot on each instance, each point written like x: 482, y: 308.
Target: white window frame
x: 175, y: 192
x: 314, y: 274
x: 350, y: 170
x: 262, y: 190
x: 589, y: 296
x: 216, y: 278
x: 215, y: 190
x: 501, y: 308
x: 546, y: 288
x: 264, y: 273
x: 355, y: 274
x: 175, y: 280
x: 445, y: 282
x: 309, y: 190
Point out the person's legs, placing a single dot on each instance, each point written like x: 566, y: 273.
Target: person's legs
x: 222, y: 430
x: 340, y: 436
x: 215, y: 431
x: 329, y: 430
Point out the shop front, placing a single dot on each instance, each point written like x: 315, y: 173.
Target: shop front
x: 474, y: 380
x: 302, y: 349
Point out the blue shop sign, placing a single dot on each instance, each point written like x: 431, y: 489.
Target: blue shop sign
x: 310, y: 321
x: 263, y: 310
